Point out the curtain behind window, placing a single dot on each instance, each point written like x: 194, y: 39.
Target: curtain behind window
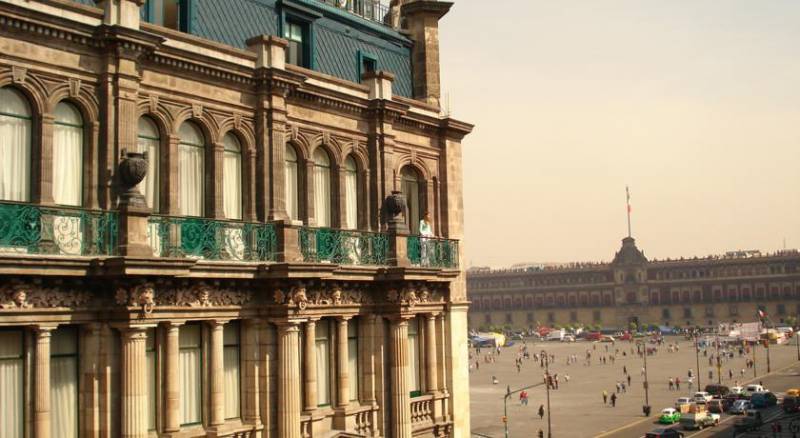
x: 291, y: 182
x: 64, y: 383
x: 15, y: 146
x: 351, y: 194
x: 191, y: 165
x: 149, y: 141
x: 190, y: 338
x: 410, y: 188
x: 67, y: 155
x: 11, y: 384
x: 413, y: 355
x: 231, y: 341
x: 232, y: 178
x: 322, y: 188
x: 352, y: 358
x: 322, y: 344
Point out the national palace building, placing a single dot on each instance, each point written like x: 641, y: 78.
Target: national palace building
x: 209, y: 221
x: 685, y: 292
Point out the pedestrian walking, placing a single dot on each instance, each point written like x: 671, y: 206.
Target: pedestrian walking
x: 523, y: 398
x: 605, y: 397
x: 541, y: 411
x: 629, y: 380
x: 613, y: 400
x: 678, y: 383
x: 671, y: 383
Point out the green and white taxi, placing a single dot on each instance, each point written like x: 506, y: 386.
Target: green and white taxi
x: 669, y: 416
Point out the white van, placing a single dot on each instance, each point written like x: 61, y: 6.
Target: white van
x: 750, y: 389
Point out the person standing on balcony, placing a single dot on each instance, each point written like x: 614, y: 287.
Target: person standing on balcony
x: 425, y: 231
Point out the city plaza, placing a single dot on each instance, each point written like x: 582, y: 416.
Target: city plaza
x: 576, y: 407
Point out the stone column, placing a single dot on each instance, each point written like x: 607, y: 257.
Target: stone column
x: 401, y: 397
x: 430, y: 353
x: 442, y: 373
x: 41, y: 393
x: 172, y: 388
x: 343, y: 397
x: 310, y: 366
x: 217, y: 378
x: 214, y: 189
x: 133, y: 382
x: 288, y: 380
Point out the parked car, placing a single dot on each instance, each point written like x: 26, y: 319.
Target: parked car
x: 737, y: 390
x: 739, y: 407
x: 702, y: 396
x: 763, y: 399
x: 664, y: 433
x: 593, y: 336
x: 699, y: 420
x: 607, y: 338
x: 568, y: 338
x: 794, y: 392
x: 683, y: 401
x: 717, y: 390
x: 669, y: 416
x: 751, y: 421
x: 791, y: 404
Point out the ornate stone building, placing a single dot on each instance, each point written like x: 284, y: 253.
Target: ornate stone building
x: 208, y: 219
x: 685, y: 292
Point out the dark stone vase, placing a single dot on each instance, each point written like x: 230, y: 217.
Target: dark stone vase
x: 132, y: 170
x: 394, y: 212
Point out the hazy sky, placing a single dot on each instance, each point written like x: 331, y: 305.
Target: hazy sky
x: 693, y: 103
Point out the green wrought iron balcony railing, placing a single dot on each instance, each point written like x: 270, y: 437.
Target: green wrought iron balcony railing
x: 70, y: 231
x: 343, y: 247
x: 431, y: 252
x: 211, y: 239
x: 373, y: 10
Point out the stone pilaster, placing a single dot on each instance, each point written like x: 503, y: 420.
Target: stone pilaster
x: 288, y: 380
x: 170, y: 188
x: 342, y: 355
x: 41, y: 388
x: 217, y: 374
x: 310, y: 366
x: 267, y: 382
x: 401, y: 397
x: 430, y: 354
x: 133, y: 382
x: 442, y: 371
x: 422, y: 22
x: 90, y: 381
x: 215, y: 192
x: 172, y: 388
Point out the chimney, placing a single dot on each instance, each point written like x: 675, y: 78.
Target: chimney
x: 421, y: 20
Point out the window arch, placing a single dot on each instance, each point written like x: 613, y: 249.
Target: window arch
x: 350, y: 193
x: 292, y: 198
x: 149, y: 140
x: 322, y: 188
x: 191, y: 168
x: 411, y: 184
x: 67, y: 155
x: 232, y: 177
x: 15, y: 146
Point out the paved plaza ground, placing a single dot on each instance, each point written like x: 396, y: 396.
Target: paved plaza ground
x: 577, y: 406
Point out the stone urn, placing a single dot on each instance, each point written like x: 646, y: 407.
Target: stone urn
x: 132, y: 170
x: 394, y: 212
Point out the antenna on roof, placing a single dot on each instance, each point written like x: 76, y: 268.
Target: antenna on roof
x: 628, y: 202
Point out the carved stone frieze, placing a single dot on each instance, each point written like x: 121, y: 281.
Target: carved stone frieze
x: 203, y: 295
x: 413, y: 295
x: 142, y: 295
x: 27, y: 296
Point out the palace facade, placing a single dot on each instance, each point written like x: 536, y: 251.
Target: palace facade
x: 685, y: 292
x: 208, y: 221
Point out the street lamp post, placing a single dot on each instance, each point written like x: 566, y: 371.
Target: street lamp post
x: 719, y: 363
x: 797, y: 341
x: 646, y: 407
x: 505, y: 403
x: 547, y: 385
x: 697, y: 357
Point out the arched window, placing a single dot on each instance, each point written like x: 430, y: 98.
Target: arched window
x: 150, y: 141
x: 291, y: 182
x: 191, y: 165
x: 410, y: 186
x: 322, y: 188
x: 350, y: 194
x: 232, y: 177
x: 15, y: 146
x: 67, y: 155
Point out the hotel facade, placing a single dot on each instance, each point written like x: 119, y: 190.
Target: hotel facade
x: 632, y: 289
x: 209, y: 218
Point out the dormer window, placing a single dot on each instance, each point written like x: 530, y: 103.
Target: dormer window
x: 173, y: 14
x: 297, y: 51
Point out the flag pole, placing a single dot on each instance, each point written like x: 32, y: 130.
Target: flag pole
x: 628, y: 202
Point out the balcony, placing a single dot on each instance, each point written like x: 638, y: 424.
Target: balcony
x: 210, y: 239
x: 68, y: 231
x: 343, y: 247
x: 373, y: 10
x: 431, y: 252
